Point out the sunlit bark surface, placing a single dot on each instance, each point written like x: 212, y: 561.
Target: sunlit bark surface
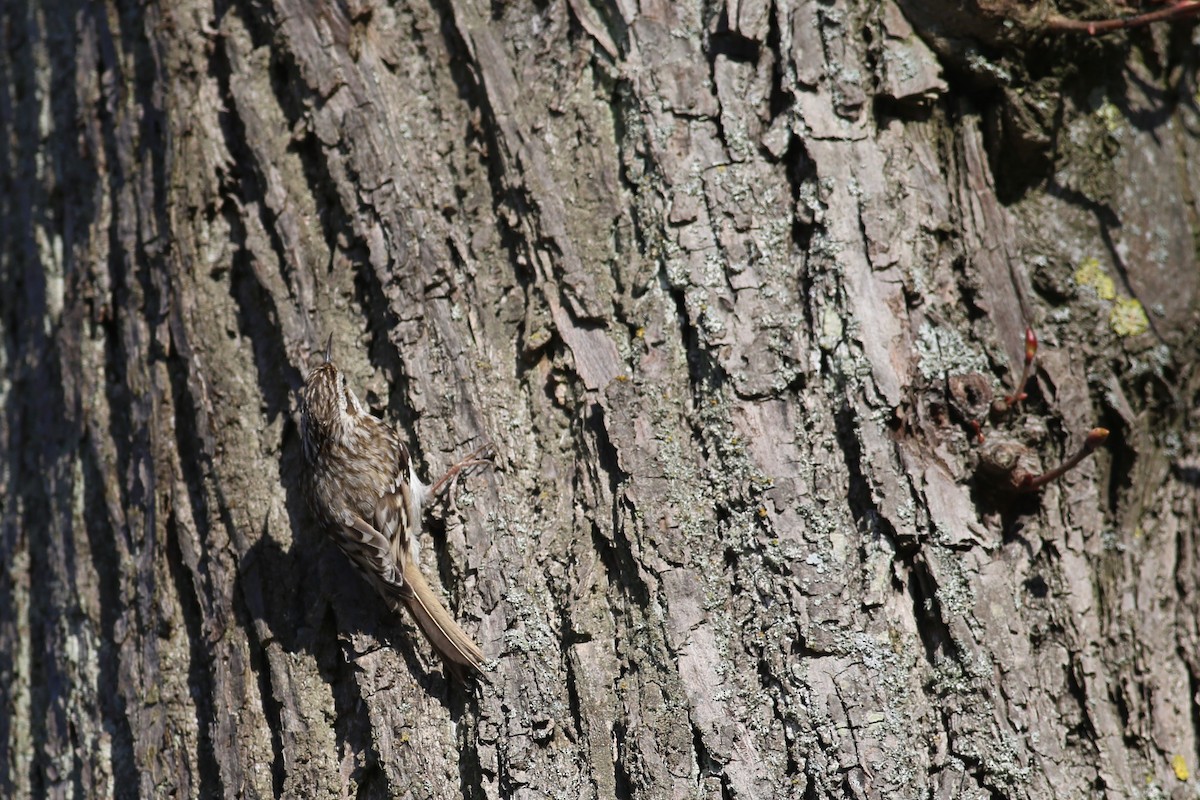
x: 712, y: 279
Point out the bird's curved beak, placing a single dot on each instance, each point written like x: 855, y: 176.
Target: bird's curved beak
x: 329, y: 350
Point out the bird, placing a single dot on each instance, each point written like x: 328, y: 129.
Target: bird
x: 365, y: 492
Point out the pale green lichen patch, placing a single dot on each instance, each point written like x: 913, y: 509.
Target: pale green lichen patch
x: 1127, y: 317
x: 1090, y: 273
x: 1109, y: 117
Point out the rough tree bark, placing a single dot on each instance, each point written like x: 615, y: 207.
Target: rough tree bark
x: 708, y: 276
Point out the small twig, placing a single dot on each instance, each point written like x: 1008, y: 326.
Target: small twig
x: 1032, y: 483
x: 481, y: 455
x: 1177, y: 10
x: 1031, y: 346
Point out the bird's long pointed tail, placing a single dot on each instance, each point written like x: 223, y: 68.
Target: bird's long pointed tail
x: 451, y: 642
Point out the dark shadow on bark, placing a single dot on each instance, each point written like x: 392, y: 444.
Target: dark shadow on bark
x: 251, y: 583
x: 107, y: 568
x: 199, y: 661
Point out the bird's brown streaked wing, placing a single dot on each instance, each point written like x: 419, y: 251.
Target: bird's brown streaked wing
x: 371, y: 552
x: 393, y: 516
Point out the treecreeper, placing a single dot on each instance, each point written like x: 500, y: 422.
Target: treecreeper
x: 365, y: 492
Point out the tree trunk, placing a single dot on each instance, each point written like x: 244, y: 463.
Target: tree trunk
x: 726, y: 286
